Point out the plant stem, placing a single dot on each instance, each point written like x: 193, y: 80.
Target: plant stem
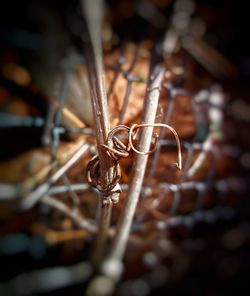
x: 70, y: 158
x: 76, y: 217
x: 112, y: 266
x: 93, y: 10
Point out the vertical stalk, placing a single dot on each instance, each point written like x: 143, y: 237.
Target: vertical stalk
x: 92, y: 11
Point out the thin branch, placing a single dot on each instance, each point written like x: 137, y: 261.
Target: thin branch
x: 129, y: 86
x: 120, y: 62
x: 93, y: 13
x: 158, y: 148
x: 125, y: 101
x: 64, y: 188
x: 29, y: 201
x: 77, y: 218
x: 58, y: 113
x: 73, y: 195
x: 112, y: 266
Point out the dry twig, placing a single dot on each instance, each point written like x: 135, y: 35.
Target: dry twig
x: 77, y: 218
x: 93, y: 15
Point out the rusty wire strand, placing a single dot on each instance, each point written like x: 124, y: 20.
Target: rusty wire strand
x: 137, y: 126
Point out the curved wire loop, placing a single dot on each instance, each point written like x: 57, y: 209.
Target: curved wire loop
x: 134, y: 127
x: 94, y: 176
x: 115, y: 147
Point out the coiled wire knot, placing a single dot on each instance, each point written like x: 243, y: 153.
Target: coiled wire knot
x: 94, y: 176
x: 116, y: 149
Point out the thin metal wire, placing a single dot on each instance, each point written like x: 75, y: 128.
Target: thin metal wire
x: 137, y: 126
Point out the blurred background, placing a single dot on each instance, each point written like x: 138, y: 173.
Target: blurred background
x: 203, y: 250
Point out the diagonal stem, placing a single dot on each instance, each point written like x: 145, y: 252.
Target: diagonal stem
x: 34, y: 196
x: 76, y: 217
x: 112, y: 266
